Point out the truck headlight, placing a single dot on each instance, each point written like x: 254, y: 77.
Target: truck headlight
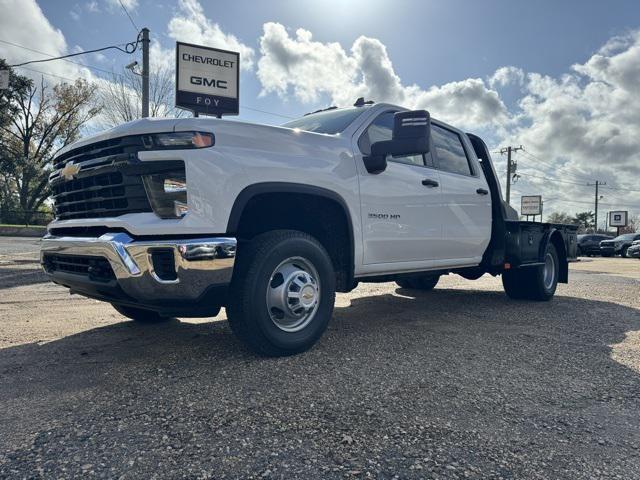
x: 167, y: 193
x: 178, y: 140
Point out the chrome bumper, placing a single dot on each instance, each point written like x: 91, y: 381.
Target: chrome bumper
x: 199, y: 263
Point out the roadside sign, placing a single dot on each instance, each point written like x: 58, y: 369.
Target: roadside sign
x: 531, y: 205
x: 618, y: 218
x: 207, y: 79
x: 4, y: 79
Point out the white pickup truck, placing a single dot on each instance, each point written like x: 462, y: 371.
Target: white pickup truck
x: 179, y: 217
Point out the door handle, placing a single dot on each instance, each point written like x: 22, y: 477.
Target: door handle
x: 427, y: 182
x: 482, y: 191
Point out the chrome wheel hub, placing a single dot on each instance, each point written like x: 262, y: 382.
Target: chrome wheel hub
x: 549, y: 272
x: 293, y: 294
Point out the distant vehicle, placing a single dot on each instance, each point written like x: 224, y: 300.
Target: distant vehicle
x: 634, y: 250
x: 589, y: 244
x: 619, y: 245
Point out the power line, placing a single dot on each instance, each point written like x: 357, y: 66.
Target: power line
x: 268, y: 113
x: 129, y: 49
x: 133, y: 95
x: 129, y: 16
x: 66, y: 60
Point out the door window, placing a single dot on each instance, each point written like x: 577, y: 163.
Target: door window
x: 449, y: 151
x: 382, y: 129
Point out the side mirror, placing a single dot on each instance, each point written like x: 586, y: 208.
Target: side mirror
x: 411, y: 132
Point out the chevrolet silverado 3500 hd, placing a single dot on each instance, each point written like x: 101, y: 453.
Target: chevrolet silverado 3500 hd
x: 179, y: 217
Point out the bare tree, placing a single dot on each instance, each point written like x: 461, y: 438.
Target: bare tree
x: 122, y: 97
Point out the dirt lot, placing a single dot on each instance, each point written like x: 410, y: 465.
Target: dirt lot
x: 457, y: 383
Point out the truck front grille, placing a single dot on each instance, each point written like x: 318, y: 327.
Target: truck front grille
x: 97, y: 269
x: 106, y: 193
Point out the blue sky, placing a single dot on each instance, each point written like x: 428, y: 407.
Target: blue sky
x: 429, y: 42
x: 561, y: 78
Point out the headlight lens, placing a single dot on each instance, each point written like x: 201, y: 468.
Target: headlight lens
x: 178, y: 140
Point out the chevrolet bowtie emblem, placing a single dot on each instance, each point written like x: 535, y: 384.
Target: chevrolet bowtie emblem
x: 70, y: 170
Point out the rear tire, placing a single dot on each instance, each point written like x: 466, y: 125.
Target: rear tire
x: 624, y: 253
x: 139, y: 315
x: 282, y: 293
x: 534, y: 283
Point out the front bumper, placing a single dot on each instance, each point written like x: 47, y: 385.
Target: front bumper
x: 634, y: 251
x: 608, y: 249
x: 199, y: 265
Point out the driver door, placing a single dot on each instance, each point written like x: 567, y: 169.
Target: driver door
x: 401, y: 208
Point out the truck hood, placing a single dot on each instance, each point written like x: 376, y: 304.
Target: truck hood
x: 230, y: 133
x: 135, y: 127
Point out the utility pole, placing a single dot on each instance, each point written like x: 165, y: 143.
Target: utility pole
x: 145, y: 72
x: 595, y: 218
x: 511, y: 167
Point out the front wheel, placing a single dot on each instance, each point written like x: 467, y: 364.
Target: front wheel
x: 282, y: 293
x: 534, y: 283
x: 624, y: 253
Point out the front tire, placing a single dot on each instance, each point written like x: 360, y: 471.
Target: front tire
x: 534, y: 283
x: 624, y: 253
x: 139, y: 315
x: 282, y: 293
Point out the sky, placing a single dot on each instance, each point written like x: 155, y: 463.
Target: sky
x: 560, y: 78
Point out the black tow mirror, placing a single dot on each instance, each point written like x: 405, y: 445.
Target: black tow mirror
x: 411, y: 132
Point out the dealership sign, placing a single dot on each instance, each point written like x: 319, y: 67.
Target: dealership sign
x: 618, y: 219
x: 531, y: 205
x: 207, y: 79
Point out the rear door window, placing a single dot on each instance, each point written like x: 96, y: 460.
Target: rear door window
x: 449, y: 151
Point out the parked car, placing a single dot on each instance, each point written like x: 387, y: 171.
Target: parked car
x: 619, y: 245
x: 634, y: 250
x: 589, y: 244
x: 149, y: 215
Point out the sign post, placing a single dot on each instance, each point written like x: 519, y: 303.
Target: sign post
x: 207, y: 80
x: 531, y: 205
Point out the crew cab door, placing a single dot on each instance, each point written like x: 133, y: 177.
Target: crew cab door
x: 465, y: 195
x: 401, y: 208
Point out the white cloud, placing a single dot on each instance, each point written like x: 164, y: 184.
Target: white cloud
x: 311, y: 69
x: 23, y: 22
x: 192, y: 25
x: 586, y: 123
x: 130, y: 5
x: 507, y: 76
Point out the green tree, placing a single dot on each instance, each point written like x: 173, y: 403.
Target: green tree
x: 585, y: 221
x: 39, y: 120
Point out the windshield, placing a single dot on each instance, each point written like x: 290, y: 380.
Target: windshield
x: 329, y: 121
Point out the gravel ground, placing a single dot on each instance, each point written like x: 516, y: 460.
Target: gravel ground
x: 457, y: 383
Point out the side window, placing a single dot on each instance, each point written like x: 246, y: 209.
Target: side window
x: 382, y: 129
x: 449, y: 151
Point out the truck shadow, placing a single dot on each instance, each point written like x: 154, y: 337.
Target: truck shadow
x: 459, y: 357
x: 434, y: 321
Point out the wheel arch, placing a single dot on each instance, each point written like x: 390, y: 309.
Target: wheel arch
x: 261, y: 196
